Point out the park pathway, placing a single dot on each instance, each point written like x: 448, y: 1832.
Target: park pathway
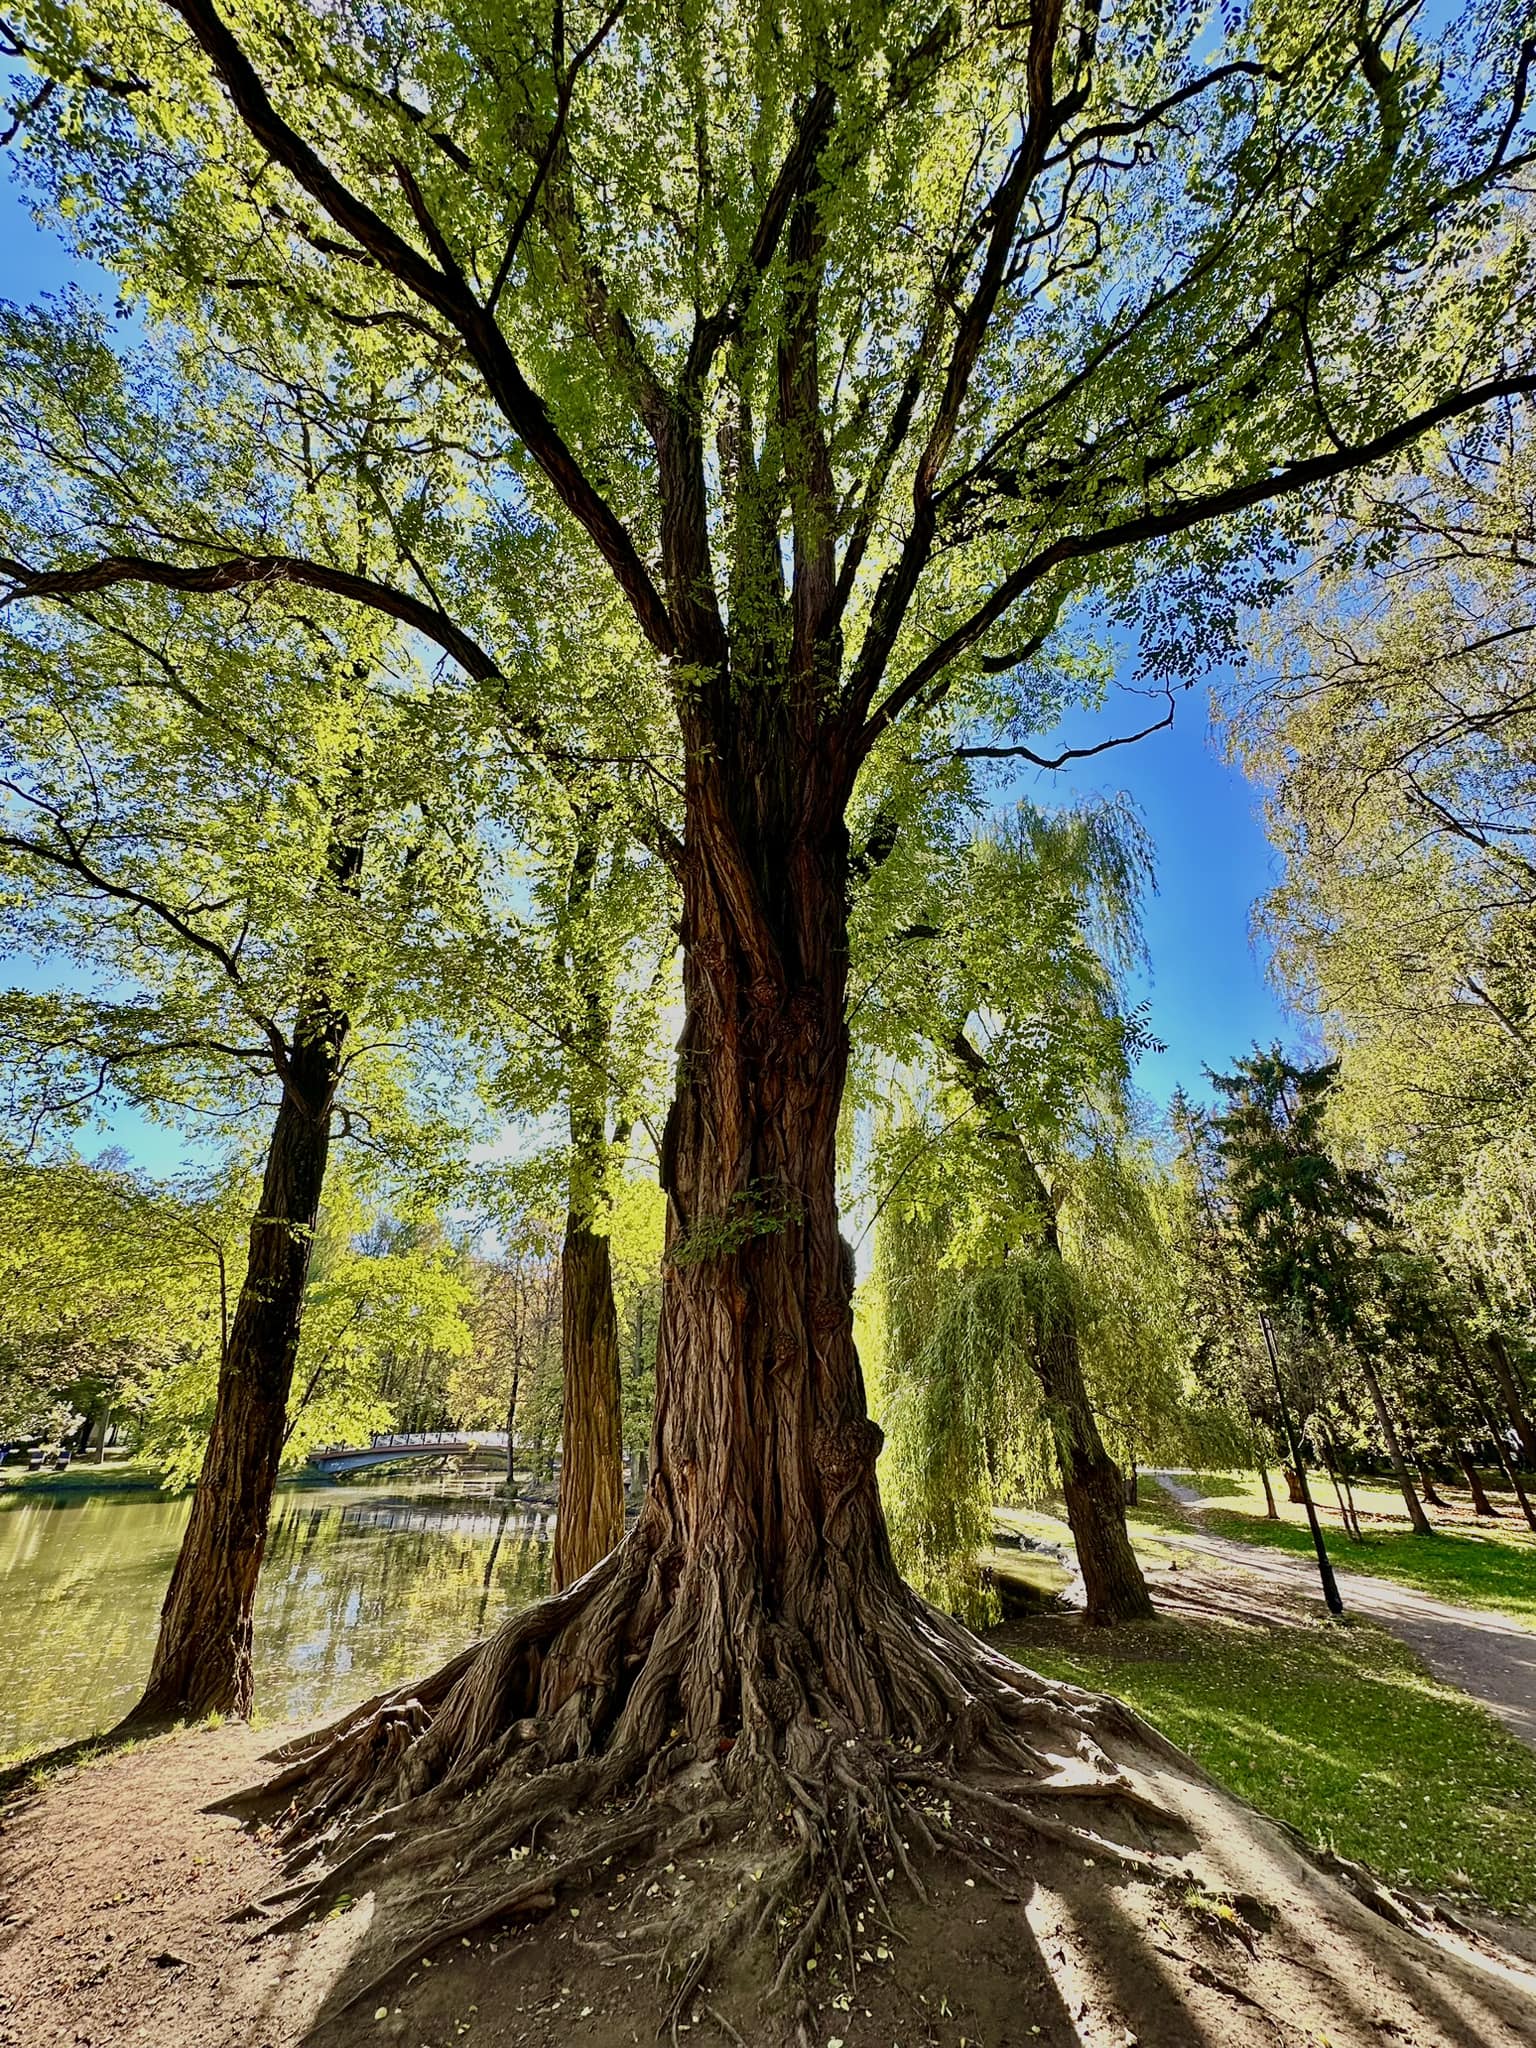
x: 1490, y: 1656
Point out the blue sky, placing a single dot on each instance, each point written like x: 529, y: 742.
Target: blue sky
x: 1207, y: 991
x: 1207, y: 988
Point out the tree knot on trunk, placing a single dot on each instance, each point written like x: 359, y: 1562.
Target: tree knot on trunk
x: 764, y: 994
x: 845, y: 1451
x: 781, y: 1699
x: 807, y: 1014
x: 829, y: 1315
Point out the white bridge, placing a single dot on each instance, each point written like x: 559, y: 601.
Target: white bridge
x: 387, y: 1449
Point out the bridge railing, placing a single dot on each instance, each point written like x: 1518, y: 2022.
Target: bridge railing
x: 400, y: 1440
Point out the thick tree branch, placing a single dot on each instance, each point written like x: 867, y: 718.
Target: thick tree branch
x: 448, y: 294
x: 548, y: 154
x: 997, y: 226
x: 241, y: 571
x: 998, y: 1124
x: 793, y: 179
x: 1177, y: 517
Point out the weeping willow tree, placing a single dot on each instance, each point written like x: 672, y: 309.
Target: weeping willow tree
x: 992, y: 970
x: 967, y: 1302
x: 958, y: 1397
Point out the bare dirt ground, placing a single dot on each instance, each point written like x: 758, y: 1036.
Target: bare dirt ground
x: 126, y: 1918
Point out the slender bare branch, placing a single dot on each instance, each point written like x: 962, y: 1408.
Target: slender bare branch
x: 1179, y: 516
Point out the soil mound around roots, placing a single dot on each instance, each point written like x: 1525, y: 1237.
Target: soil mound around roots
x: 1168, y: 1915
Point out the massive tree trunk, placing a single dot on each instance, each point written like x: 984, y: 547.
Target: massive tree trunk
x: 753, y: 1618
x: 202, y: 1661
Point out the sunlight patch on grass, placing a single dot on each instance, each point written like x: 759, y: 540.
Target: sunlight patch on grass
x: 1337, y: 1729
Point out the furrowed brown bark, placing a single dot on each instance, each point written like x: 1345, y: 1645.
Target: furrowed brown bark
x: 202, y: 1661
x: 763, y: 1455
x: 1093, y: 1486
x: 589, y: 1519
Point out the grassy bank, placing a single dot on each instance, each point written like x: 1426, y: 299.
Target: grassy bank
x: 1478, y: 1564
x: 124, y: 1475
x: 1333, y: 1727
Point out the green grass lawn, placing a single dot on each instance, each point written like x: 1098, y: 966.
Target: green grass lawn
x: 1335, y: 1728
x: 1478, y: 1566
x: 118, y: 1475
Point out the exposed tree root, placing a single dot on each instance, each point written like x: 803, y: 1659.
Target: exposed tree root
x: 613, y: 1724
x: 624, y: 1731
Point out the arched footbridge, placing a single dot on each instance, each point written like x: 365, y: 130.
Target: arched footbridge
x: 393, y: 1449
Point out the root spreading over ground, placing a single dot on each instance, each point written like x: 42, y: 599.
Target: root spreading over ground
x: 889, y: 1833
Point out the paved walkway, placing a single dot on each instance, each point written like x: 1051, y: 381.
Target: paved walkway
x: 1490, y: 1656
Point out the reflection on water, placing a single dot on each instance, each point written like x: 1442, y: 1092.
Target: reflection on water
x: 360, y: 1589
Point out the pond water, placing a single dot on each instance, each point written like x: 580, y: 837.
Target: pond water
x: 361, y: 1587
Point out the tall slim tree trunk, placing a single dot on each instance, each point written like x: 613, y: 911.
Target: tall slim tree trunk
x: 1499, y: 1363
x: 1091, y: 1482
x: 1427, y: 1481
x: 589, y: 1519
x: 1271, y: 1512
x: 1512, y: 1477
x: 1330, y: 1459
x: 202, y: 1661
x: 1506, y: 1379
x: 1481, y: 1504
x: 1416, y: 1515
x: 589, y: 1515
x: 517, y: 1374
x: 1256, y: 1446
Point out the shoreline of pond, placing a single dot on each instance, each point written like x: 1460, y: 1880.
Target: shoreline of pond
x: 131, y: 1480
x: 362, y: 1586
